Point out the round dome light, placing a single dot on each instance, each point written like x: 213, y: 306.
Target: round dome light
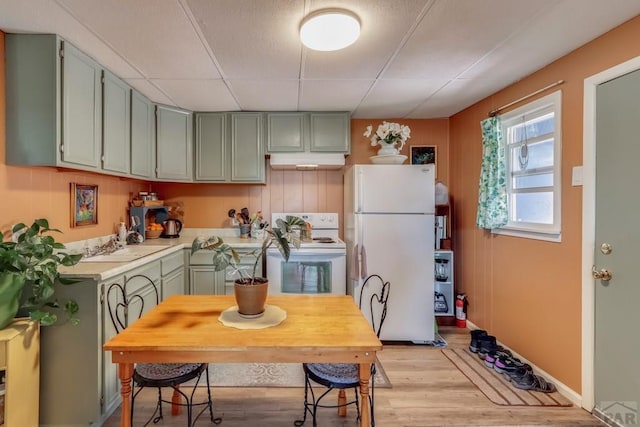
x: 329, y: 30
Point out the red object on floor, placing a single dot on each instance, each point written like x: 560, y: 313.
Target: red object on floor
x: 461, y: 315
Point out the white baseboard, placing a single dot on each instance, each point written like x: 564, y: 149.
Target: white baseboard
x: 562, y: 388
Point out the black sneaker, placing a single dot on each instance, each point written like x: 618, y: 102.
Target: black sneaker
x: 476, y: 334
x: 500, y: 353
x: 487, y: 345
x: 512, y: 370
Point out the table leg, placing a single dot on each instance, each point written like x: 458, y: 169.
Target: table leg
x: 125, y: 372
x: 342, y: 403
x: 365, y: 376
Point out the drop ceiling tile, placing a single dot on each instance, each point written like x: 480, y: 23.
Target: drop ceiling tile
x: 456, y: 34
x: 266, y: 95
x: 252, y: 39
x: 537, y: 43
x: 198, y: 95
x: 338, y: 95
x: 47, y: 17
x: 399, y: 96
x: 157, y: 38
x: 456, y: 96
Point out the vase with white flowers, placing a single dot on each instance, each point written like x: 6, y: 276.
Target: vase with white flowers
x: 391, y: 137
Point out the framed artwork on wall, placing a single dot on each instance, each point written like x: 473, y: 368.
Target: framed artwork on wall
x: 424, y: 155
x: 84, y: 204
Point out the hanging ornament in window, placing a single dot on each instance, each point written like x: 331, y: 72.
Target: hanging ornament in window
x: 523, y: 155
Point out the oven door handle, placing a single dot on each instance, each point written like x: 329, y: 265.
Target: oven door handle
x: 322, y: 253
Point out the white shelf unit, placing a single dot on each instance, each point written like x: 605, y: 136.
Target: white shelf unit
x: 443, y: 281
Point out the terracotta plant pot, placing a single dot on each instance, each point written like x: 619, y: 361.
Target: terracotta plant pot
x: 251, y: 298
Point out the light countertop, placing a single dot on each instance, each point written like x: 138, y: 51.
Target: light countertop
x: 100, y: 271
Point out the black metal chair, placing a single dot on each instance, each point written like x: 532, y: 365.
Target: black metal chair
x: 126, y: 306
x: 342, y: 376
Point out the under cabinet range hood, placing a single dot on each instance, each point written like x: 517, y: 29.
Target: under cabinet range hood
x: 307, y: 161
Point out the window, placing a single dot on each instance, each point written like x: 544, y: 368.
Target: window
x: 532, y: 152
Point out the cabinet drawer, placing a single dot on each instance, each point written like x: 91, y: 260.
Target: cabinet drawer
x: 171, y: 262
x: 204, y: 257
x: 151, y: 271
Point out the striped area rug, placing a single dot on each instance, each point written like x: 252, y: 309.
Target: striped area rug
x: 269, y: 375
x: 495, y: 386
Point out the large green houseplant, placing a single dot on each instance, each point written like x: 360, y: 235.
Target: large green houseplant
x: 29, y: 274
x: 285, y: 234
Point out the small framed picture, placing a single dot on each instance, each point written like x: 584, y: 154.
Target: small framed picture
x: 84, y: 204
x: 423, y: 155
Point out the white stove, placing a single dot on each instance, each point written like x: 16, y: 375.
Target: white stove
x: 317, y: 267
x: 324, y: 230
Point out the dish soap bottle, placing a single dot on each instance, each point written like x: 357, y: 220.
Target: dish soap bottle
x: 122, y: 233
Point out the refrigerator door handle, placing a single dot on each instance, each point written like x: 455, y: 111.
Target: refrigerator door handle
x: 359, y: 263
x: 355, y: 263
x: 363, y: 262
x: 360, y: 190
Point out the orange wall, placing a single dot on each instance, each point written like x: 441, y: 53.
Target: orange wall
x: 528, y: 292
x: 206, y: 205
x: 28, y: 193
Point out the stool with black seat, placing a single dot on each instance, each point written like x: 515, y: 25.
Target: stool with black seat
x: 342, y: 376
x: 124, y: 308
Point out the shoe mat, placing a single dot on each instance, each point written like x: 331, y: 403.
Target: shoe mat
x: 495, y: 386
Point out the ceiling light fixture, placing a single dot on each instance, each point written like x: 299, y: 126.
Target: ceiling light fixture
x: 329, y: 29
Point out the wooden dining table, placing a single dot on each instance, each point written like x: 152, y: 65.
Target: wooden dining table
x: 186, y: 328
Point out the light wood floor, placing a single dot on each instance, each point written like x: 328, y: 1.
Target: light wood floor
x: 427, y: 391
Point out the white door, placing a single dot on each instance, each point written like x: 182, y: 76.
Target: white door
x: 399, y: 248
x: 617, y: 317
x: 394, y: 188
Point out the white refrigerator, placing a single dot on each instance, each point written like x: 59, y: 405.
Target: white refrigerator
x: 389, y: 231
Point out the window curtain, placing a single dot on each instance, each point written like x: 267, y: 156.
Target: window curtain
x: 492, y: 194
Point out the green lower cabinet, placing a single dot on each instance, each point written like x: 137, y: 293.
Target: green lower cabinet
x: 205, y: 280
x: 72, y: 356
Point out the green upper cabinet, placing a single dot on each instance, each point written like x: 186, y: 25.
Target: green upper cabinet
x: 54, y: 103
x: 228, y: 148
x: 211, y: 154
x: 142, y: 136
x: 173, y: 144
x: 116, y: 124
x: 311, y: 131
x: 285, y: 132
x: 247, y: 153
x: 329, y: 132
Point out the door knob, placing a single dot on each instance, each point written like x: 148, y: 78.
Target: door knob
x: 602, y: 274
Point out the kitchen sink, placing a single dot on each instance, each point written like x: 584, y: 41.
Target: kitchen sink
x: 126, y: 254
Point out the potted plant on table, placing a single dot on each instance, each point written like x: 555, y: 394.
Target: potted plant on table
x: 251, y: 291
x: 29, y: 274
